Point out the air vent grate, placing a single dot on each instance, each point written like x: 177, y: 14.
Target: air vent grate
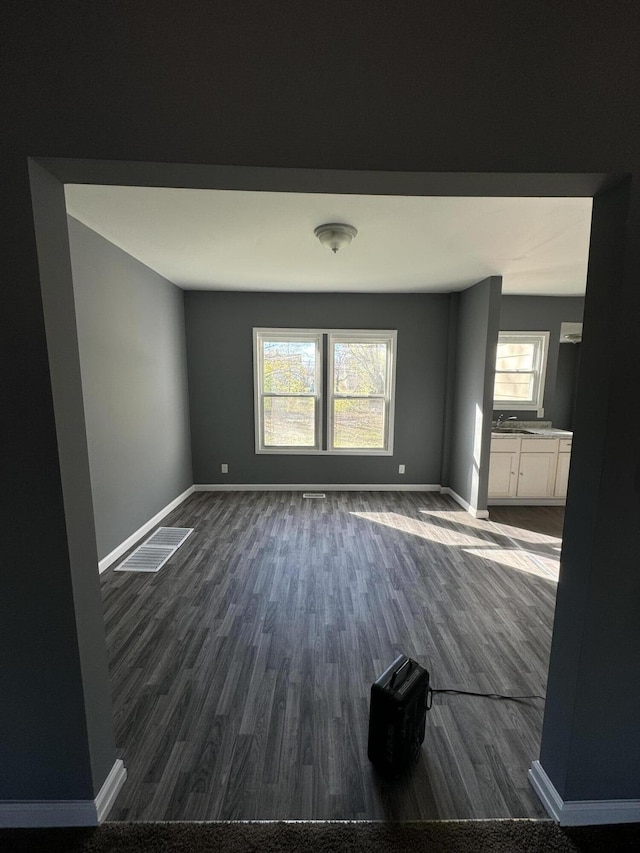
x: 158, y: 548
x: 169, y: 537
x: 315, y: 495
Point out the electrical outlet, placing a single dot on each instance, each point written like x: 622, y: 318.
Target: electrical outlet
x: 400, y: 469
x: 224, y: 468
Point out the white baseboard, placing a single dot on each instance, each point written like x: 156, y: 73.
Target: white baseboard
x: 526, y: 502
x: 476, y: 513
x: 110, y: 789
x: 316, y: 487
x: 257, y: 487
x: 107, y: 561
x: 546, y: 790
x: 21, y: 814
x: 580, y: 812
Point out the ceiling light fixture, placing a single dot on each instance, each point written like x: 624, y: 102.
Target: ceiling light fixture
x: 335, y: 235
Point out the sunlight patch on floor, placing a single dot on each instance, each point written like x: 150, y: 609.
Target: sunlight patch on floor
x: 433, y: 532
x: 453, y: 516
x: 460, y: 517
x: 526, y: 535
x: 523, y: 561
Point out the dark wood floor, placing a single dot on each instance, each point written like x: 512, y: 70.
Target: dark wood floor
x: 241, y: 671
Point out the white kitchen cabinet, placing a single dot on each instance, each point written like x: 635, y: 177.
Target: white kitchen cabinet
x: 536, y: 474
x: 503, y: 475
x: 528, y: 468
x: 562, y: 475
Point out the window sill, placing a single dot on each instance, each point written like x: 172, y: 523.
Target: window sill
x: 277, y: 451
x: 514, y: 407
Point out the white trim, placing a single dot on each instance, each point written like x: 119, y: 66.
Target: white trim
x: 539, y: 371
x: 258, y: 487
x: 107, y: 561
x: 324, y: 377
x: 110, y: 789
x: 526, y: 501
x: 388, y: 337
x: 591, y: 812
x: 476, y: 513
x: 580, y: 812
x: 305, y: 451
x: 546, y: 790
x: 285, y: 335
x: 21, y: 814
x: 44, y: 813
x: 317, y: 487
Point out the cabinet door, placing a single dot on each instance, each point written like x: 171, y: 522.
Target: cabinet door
x: 502, y: 475
x: 536, y: 476
x: 562, y: 475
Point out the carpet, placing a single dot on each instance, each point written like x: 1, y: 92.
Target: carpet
x: 497, y: 836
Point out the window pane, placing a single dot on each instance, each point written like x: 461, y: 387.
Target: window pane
x: 515, y: 356
x: 513, y: 386
x: 358, y: 424
x: 359, y: 368
x: 289, y: 367
x: 289, y: 421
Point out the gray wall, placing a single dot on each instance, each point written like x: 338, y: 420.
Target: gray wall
x: 477, y: 329
x: 55, y: 714
x: 232, y: 83
x: 566, y: 385
x: 220, y: 350
x: 134, y: 379
x: 590, y: 745
x: 544, y: 314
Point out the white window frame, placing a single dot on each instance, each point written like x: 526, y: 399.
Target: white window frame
x: 310, y: 335
x: 539, y: 372
x: 389, y: 337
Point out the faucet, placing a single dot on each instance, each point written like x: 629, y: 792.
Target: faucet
x: 501, y: 420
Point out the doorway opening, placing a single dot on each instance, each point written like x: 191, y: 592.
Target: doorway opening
x: 61, y: 326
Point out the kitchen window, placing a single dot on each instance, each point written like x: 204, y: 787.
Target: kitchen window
x: 521, y: 364
x: 324, y: 391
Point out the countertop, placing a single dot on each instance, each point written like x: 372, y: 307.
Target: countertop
x: 534, y: 433
x: 539, y: 429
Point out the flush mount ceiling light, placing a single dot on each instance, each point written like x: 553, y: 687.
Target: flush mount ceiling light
x: 335, y: 235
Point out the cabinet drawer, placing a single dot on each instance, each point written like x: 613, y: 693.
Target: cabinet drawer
x: 565, y: 444
x: 539, y: 445
x: 505, y: 445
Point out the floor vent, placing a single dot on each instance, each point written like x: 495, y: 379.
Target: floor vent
x: 316, y: 495
x: 156, y: 550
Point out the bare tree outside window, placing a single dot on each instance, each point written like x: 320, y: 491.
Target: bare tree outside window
x: 289, y: 380
x: 290, y: 371
x: 359, y: 371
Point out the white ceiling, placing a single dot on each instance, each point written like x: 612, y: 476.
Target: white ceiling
x: 238, y: 240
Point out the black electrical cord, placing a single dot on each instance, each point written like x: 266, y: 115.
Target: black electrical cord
x: 489, y: 695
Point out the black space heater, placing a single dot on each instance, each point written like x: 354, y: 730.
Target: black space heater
x: 400, y: 699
